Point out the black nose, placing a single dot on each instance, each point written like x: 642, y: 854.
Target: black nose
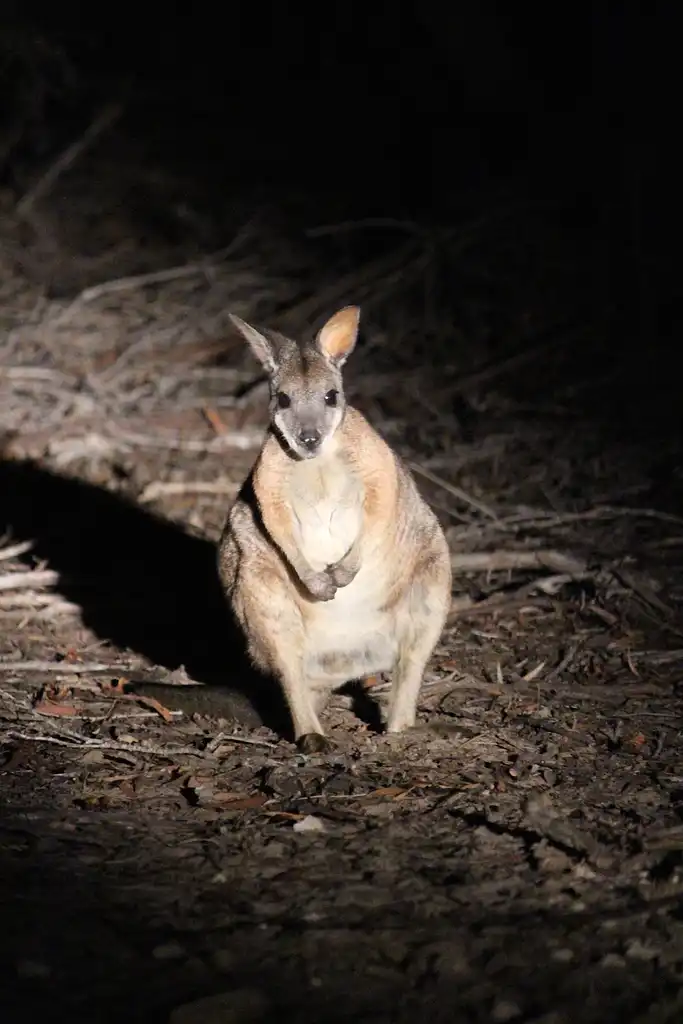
x: 310, y: 438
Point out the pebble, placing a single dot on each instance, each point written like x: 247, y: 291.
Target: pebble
x: 309, y: 824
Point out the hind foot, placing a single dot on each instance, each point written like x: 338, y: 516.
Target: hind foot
x: 312, y: 743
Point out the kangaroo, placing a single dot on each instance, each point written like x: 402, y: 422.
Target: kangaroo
x: 335, y: 566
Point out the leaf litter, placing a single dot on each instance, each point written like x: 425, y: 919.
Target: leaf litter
x: 506, y: 860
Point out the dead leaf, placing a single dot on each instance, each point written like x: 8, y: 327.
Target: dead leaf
x: 49, y: 707
x: 153, y: 704
x: 214, y: 419
x: 127, y: 788
x: 116, y: 689
x: 229, y: 802
x: 392, y: 792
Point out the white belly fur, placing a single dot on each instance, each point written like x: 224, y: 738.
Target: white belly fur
x: 349, y: 637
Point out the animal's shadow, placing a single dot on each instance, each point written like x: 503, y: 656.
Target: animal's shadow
x: 142, y: 582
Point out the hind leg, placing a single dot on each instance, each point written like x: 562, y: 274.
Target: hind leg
x: 275, y: 632
x: 421, y: 617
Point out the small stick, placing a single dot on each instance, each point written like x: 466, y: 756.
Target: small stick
x: 64, y: 667
x: 214, y: 420
x: 105, y: 118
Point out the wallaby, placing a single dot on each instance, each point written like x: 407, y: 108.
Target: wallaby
x: 335, y: 566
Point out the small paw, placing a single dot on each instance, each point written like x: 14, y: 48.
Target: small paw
x: 313, y: 743
x: 321, y: 585
x: 342, y: 575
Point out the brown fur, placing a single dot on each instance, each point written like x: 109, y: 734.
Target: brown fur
x: 335, y: 566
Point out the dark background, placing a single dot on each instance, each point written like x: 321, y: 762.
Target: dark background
x: 387, y: 109
x: 415, y: 110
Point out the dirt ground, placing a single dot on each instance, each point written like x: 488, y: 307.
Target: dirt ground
x: 519, y: 856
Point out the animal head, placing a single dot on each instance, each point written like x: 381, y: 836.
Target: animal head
x: 306, y: 390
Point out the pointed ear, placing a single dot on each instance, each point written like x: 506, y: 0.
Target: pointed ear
x: 258, y: 343
x: 338, y: 336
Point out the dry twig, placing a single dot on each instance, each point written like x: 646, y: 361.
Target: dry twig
x: 68, y: 739
x: 15, y: 550
x: 28, y: 580
x: 64, y: 667
x: 457, y: 492
x: 164, y: 488
x: 500, y: 561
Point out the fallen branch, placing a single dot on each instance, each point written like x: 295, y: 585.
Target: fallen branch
x: 498, y: 561
x: 95, y: 445
x: 28, y: 580
x: 64, y: 667
x: 37, y: 601
x: 544, y: 520
x: 66, y: 739
x: 547, y: 585
x: 15, y: 550
x: 101, y: 744
x: 160, y: 488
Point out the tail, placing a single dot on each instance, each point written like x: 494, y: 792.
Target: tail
x: 210, y: 701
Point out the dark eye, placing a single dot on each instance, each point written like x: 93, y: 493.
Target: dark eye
x: 283, y: 400
x: 331, y: 397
